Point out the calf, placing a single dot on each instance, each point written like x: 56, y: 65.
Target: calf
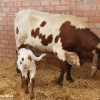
x: 26, y: 65
x: 67, y: 36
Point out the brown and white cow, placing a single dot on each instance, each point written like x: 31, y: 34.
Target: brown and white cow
x: 66, y: 36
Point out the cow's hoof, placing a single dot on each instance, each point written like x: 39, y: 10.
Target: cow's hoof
x: 31, y: 95
x: 70, y: 80
x: 60, y: 83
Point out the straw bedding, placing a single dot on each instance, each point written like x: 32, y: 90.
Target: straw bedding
x: 85, y: 87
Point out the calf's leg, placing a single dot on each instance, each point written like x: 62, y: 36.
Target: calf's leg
x: 32, y: 87
x: 26, y: 85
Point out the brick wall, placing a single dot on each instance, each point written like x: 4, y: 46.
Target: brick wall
x: 89, y: 10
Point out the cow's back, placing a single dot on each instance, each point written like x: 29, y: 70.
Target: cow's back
x: 40, y: 29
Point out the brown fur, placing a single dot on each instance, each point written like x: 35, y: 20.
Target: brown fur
x: 17, y: 31
x: 43, y: 24
x: 29, y: 58
x: 44, y: 41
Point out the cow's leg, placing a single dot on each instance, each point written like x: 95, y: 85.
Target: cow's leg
x: 68, y: 75
x: 63, y: 69
x: 62, y: 60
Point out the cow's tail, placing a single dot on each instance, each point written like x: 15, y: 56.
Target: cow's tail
x: 94, y: 70
x: 38, y: 58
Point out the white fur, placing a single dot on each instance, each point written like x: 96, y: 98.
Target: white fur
x: 27, y: 65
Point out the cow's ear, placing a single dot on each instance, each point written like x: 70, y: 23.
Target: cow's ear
x: 29, y: 58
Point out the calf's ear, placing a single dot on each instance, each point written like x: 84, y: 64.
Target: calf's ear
x: 29, y: 58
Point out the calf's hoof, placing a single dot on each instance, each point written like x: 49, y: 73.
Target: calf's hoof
x: 31, y: 95
x: 70, y: 80
x: 26, y: 91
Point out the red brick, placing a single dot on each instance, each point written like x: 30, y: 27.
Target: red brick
x: 1, y: 28
x: 96, y: 31
x: 55, y: 12
x: 98, y: 1
x: 97, y: 25
x: 3, y: 32
x: 86, y: 1
x: 83, y: 7
x: 93, y: 7
x: 11, y: 33
x: 2, y: 45
x: 7, y: 28
x: 13, y: 0
x: 3, y: 23
x: 65, y: 2
x: 40, y: 8
x: 13, y: 51
x: 10, y: 14
x: 2, y: 54
x: 11, y: 42
x: 4, y: 41
x: 0, y: 9
x: 1, y: 18
x: 71, y: 7
x: 3, y: 14
x: 5, y: 0
x: 45, y: 2
x: 84, y: 18
x: 1, y: 59
x: 98, y: 13
x: 6, y: 9
x: 21, y: 8
x: 7, y: 37
x: 55, y: 2
x: 6, y: 18
x: 94, y: 19
x: 26, y: 3
x: 17, y: 4
x: 90, y: 13
x: 91, y: 25
x: 77, y: 13
x: 59, y: 8
x: 35, y: 3
x: 9, y: 55
x: 49, y: 8
x: 14, y: 9
x: 1, y: 37
x: 5, y: 50
x: 9, y: 4
x: 3, y: 4
x: 11, y: 23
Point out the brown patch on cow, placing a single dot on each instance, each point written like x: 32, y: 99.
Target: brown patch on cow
x: 20, y: 62
x: 43, y: 24
x: 21, y: 46
x: 17, y: 31
x: 22, y: 59
x: 35, y: 33
x: 56, y: 39
x: 42, y: 37
x: 44, y: 40
x: 29, y: 58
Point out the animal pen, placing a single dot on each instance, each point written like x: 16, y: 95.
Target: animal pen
x: 84, y: 86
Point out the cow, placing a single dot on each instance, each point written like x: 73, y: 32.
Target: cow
x: 26, y: 64
x: 67, y: 36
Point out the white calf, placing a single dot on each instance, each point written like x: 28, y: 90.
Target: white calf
x: 26, y: 64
